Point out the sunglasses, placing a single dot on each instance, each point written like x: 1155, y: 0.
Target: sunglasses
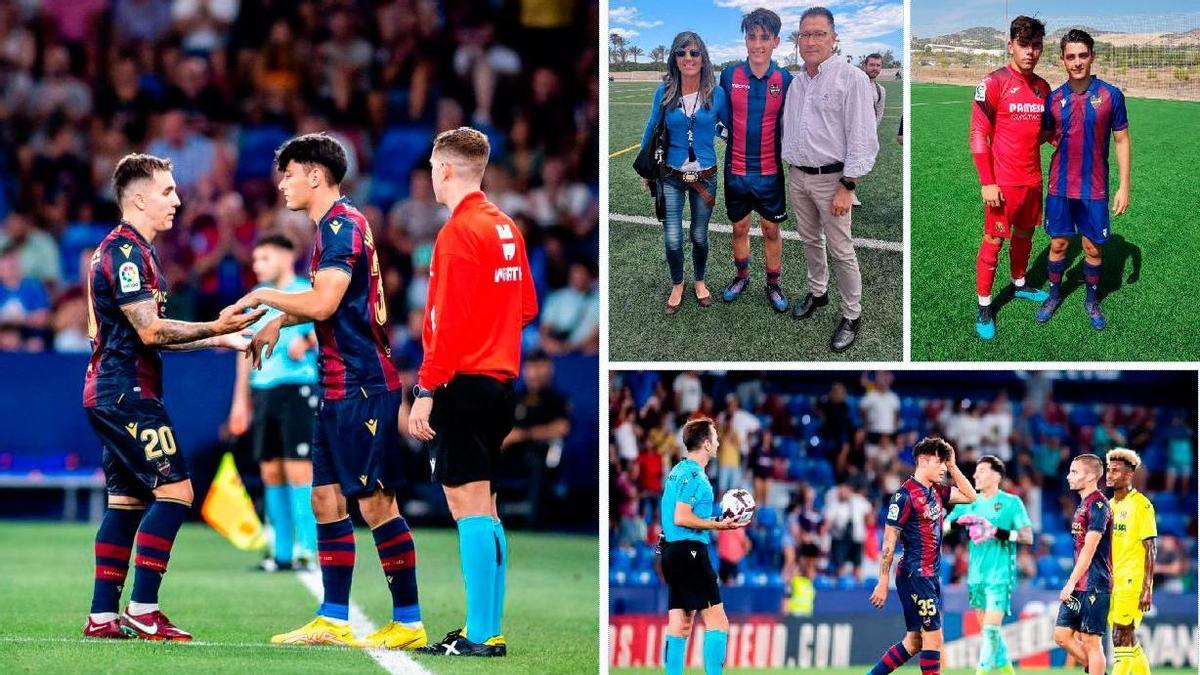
x: 694, y: 53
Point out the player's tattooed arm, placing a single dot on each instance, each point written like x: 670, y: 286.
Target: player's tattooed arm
x: 879, y: 595
x: 155, y: 331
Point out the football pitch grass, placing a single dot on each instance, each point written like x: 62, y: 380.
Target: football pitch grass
x: 1148, y: 279
x: 748, y: 329
x: 550, y: 619
x: 910, y: 667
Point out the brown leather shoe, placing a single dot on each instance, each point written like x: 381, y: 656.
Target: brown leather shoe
x: 705, y: 301
x: 670, y: 309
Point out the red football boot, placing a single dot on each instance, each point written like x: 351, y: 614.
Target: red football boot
x: 153, y: 626
x: 108, y: 629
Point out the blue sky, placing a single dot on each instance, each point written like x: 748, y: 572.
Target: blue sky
x: 939, y: 17
x: 863, y: 26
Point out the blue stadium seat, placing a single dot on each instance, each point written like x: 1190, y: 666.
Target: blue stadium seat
x: 847, y: 582
x: 400, y: 150
x: 824, y: 583
x: 1083, y: 414
x: 256, y: 150
x: 75, y: 238
x: 1064, y: 545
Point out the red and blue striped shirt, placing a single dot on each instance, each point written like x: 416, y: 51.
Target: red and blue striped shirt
x: 1094, y: 514
x: 354, y: 352
x: 1082, y: 125
x: 917, y: 511
x: 754, y: 117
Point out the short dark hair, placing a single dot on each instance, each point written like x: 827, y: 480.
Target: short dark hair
x: 995, y: 462
x: 696, y: 431
x: 320, y: 149
x: 277, y: 239
x: 932, y: 445
x: 873, y: 55
x: 1026, y: 29
x: 818, y: 11
x: 762, y: 18
x: 1078, y: 36
x: 134, y: 167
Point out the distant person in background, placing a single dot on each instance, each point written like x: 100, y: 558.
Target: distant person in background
x: 872, y: 66
x: 692, y: 104
x: 277, y: 404
x: 880, y: 410
x: 38, y: 252
x: 24, y: 305
x: 688, y: 393
x: 571, y: 316
x: 540, y: 425
x: 732, y: 547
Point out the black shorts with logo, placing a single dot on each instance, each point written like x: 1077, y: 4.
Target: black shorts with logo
x: 356, y: 443
x: 471, y: 416
x: 140, y: 453
x: 691, y: 579
x: 283, y: 421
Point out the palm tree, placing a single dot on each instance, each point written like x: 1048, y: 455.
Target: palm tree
x: 635, y: 51
x: 794, y: 38
x: 619, y: 43
x: 658, y: 54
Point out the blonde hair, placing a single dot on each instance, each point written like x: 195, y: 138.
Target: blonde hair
x: 1124, y: 455
x: 1093, y: 461
x: 468, y: 147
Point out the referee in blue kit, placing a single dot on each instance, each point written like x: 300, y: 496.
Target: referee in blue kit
x: 687, y: 516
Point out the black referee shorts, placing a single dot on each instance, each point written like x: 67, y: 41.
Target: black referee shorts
x: 691, y: 580
x: 283, y: 422
x: 471, y: 416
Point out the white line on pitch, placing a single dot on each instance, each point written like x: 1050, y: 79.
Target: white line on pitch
x: 394, y: 661
x: 167, y: 644
x: 859, y: 242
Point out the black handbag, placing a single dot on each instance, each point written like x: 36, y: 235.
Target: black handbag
x: 650, y: 162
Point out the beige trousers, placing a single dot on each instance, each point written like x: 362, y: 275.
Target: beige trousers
x: 819, y: 229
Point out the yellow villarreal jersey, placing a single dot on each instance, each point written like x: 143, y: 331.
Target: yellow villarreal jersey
x: 1133, y: 523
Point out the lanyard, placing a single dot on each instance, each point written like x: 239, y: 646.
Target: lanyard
x: 691, y: 119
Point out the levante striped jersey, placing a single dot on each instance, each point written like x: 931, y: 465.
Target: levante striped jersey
x: 124, y: 270
x: 755, y: 118
x: 918, y: 512
x: 1094, y: 514
x: 354, y: 353
x: 1082, y: 125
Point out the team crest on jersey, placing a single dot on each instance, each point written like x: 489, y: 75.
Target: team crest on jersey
x: 981, y: 90
x: 129, y: 278
x: 1096, y: 101
x: 774, y: 89
x: 996, y: 506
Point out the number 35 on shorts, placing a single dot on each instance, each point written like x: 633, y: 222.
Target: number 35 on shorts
x: 926, y: 607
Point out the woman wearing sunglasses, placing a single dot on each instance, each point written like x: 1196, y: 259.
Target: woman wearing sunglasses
x: 692, y: 104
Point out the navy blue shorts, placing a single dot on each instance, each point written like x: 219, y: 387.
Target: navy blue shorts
x: 356, y: 444
x: 140, y: 453
x: 1066, y: 217
x: 764, y: 194
x: 1092, y: 615
x: 921, y: 598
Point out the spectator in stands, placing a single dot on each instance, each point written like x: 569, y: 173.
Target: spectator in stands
x: 70, y: 323
x: 997, y: 425
x: 59, y: 91
x: 420, y: 216
x: 1181, y: 456
x: 24, y: 306
x: 729, y: 458
x: 571, y: 316
x: 880, y: 410
x: 688, y: 393
x: 807, y: 527
x: 195, y: 157
x: 625, y: 434
x: 204, y: 24
x: 140, y: 20
x: 559, y: 201
x: 732, y: 547
x: 632, y: 527
x: 37, y: 251
x: 540, y: 424
x: 846, y: 517
x: 741, y: 424
x: 482, y: 61
x: 651, y: 469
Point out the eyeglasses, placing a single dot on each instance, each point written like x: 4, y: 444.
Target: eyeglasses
x: 815, y: 35
x: 694, y: 53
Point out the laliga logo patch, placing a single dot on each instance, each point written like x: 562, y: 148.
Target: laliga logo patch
x: 893, y: 512
x: 128, y: 275
x: 774, y: 90
x: 981, y: 90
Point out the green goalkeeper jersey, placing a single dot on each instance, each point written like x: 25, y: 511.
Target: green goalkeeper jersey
x: 994, y: 562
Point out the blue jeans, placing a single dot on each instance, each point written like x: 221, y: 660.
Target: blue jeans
x: 675, y: 192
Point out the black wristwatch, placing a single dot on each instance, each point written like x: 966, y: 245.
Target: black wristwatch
x: 847, y: 183
x: 421, y: 392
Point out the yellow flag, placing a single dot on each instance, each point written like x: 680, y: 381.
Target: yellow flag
x: 228, y: 509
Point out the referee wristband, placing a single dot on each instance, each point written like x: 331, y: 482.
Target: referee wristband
x: 1003, y: 534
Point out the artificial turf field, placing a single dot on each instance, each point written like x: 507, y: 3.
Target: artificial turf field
x: 550, y: 619
x: 910, y: 667
x: 748, y: 329
x: 1148, y: 278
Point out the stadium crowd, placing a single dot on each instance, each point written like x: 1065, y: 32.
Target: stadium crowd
x: 822, y: 466
x: 217, y: 85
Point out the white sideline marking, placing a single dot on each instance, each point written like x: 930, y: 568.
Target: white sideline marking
x: 394, y: 661
x: 169, y: 644
x: 792, y: 235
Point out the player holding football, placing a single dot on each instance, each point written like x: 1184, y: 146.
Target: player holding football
x: 1079, y: 118
x: 356, y: 435
x: 1134, y: 533
x: 915, y: 518
x: 1005, y: 135
x: 687, y: 516
x: 481, y: 295
x: 1085, y: 597
x: 755, y: 90
x: 122, y: 395
x: 996, y: 522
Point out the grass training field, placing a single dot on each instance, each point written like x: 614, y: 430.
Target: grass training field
x: 550, y: 618
x: 910, y: 667
x: 746, y: 330
x: 1148, y: 277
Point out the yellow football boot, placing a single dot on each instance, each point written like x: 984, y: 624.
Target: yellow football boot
x: 319, y: 631
x: 396, y: 636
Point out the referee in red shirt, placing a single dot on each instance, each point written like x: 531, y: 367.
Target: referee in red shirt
x: 481, y: 295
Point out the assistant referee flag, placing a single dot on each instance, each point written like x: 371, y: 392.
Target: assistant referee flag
x: 481, y: 295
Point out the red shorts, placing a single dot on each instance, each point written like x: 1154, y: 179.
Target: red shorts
x: 1021, y: 208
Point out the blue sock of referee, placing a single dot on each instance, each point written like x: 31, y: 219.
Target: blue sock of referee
x: 674, y: 654
x: 477, y: 550
x: 714, y: 652
x: 303, y: 519
x: 501, y: 565
x: 279, y: 513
